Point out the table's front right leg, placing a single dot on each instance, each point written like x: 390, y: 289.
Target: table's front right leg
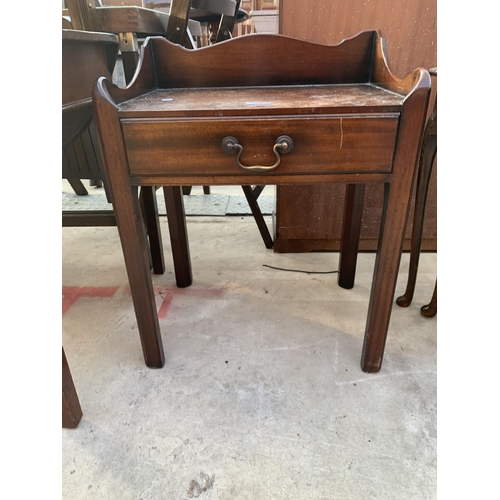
x: 384, y: 277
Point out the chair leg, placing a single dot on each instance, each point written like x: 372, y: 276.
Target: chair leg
x: 206, y: 189
x: 257, y: 190
x: 427, y: 156
x: 149, y: 209
x: 178, y: 235
x: 226, y: 25
x: 71, y: 409
x: 178, y: 21
x: 430, y: 310
x: 78, y: 187
x: 351, y: 229
x: 257, y: 215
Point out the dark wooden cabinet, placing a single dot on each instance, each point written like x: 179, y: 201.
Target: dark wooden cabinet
x: 309, y: 217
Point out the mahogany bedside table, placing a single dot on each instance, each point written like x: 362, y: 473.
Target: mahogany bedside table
x: 261, y: 109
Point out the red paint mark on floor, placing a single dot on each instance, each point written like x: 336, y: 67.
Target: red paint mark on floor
x: 72, y: 293
x: 169, y: 292
x: 203, y: 291
x: 167, y: 299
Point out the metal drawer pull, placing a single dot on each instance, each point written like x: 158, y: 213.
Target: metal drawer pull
x: 284, y: 144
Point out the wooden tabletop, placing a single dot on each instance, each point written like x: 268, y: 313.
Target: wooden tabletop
x: 248, y: 101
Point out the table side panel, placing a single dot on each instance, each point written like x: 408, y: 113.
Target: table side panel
x: 322, y: 145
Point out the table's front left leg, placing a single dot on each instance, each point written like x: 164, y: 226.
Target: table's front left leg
x: 130, y: 224
x: 135, y: 253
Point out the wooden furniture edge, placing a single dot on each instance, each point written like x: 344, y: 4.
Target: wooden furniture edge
x: 383, y: 77
x: 72, y: 35
x: 397, y: 196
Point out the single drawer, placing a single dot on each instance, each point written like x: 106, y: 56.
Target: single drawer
x: 321, y: 144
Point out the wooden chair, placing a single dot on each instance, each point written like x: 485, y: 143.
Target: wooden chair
x: 222, y: 13
x: 85, y: 57
x: 131, y: 23
x: 426, y: 162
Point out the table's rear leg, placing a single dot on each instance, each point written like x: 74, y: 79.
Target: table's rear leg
x: 351, y: 229
x: 176, y: 219
x: 149, y: 208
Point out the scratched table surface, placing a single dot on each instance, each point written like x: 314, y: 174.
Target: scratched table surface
x: 255, y: 100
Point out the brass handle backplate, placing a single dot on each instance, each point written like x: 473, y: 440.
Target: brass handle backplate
x: 284, y: 144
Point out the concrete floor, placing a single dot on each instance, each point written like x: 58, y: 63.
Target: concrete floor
x: 261, y: 395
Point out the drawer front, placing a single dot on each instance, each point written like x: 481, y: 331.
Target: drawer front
x: 321, y: 145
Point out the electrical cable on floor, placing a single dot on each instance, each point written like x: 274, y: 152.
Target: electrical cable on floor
x: 299, y: 271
